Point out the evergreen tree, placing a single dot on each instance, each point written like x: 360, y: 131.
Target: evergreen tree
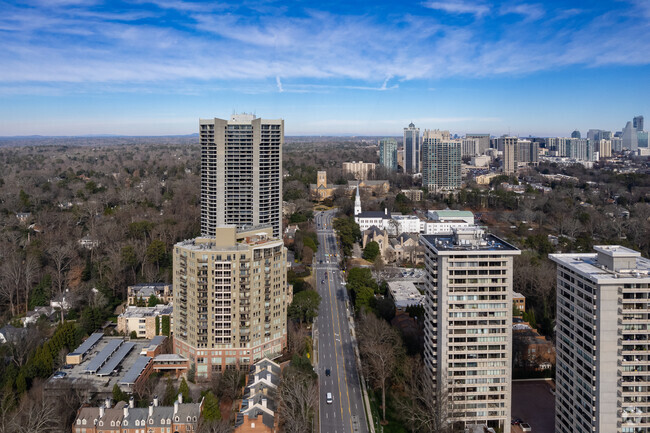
x: 165, y: 325
x: 184, y: 390
x: 211, y: 411
x: 170, y: 393
x: 21, y: 384
x: 119, y: 395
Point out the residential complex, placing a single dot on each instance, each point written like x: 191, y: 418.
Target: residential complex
x: 388, y: 153
x: 359, y: 169
x: 259, y: 405
x: 508, y: 145
x: 241, y: 172
x: 231, y: 298
x: 602, y: 341
x: 140, y: 293
x: 126, y: 418
x: 468, y: 317
x: 483, y: 141
x: 146, y: 322
x: 412, y: 151
x: 441, y: 161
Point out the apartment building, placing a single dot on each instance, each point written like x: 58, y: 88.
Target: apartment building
x: 126, y: 418
x: 359, y: 169
x: 146, y: 322
x: 388, y: 153
x: 468, y: 333
x: 140, y: 293
x: 602, y: 341
x: 510, y: 148
x: 412, y: 151
x: 441, y: 161
x: 241, y: 172
x: 231, y: 298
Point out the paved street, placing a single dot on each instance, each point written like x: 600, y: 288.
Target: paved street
x: 335, y: 348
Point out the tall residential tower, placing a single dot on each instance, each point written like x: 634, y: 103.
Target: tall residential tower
x: 388, y: 153
x: 241, y: 172
x: 230, y: 299
x: 468, y: 325
x: 412, y: 151
x: 602, y: 341
x: 441, y: 162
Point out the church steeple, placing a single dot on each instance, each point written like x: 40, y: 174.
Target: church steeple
x: 357, y: 203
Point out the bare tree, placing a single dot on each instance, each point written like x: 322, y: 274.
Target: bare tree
x: 31, y: 269
x: 25, y: 342
x: 61, y: 255
x: 296, y: 338
x: 298, y: 401
x: 424, y: 408
x: 36, y: 414
x: 220, y: 426
x: 11, y: 275
x: 226, y: 385
x: 380, y: 347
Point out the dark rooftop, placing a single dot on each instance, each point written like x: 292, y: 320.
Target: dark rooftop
x: 482, y: 242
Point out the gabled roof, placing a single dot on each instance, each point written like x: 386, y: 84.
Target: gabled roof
x: 403, y: 237
x: 373, y: 214
x: 374, y: 231
x: 188, y: 409
x: 137, y: 413
x: 160, y: 413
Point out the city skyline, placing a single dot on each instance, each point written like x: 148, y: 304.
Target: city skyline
x: 153, y: 68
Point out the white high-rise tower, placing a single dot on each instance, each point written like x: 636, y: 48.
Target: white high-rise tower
x: 241, y: 173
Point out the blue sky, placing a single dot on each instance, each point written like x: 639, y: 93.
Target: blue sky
x: 74, y: 67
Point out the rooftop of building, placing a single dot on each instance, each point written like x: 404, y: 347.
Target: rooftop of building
x: 241, y: 239
x: 141, y: 312
x: 609, y: 264
x: 450, y: 213
x: 405, y: 293
x: 77, y: 376
x: 373, y: 214
x: 140, y: 286
x: 468, y: 239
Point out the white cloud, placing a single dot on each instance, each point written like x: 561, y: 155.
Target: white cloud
x: 531, y: 12
x: 459, y: 7
x: 322, y: 50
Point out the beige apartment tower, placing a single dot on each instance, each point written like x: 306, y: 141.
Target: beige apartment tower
x: 241, y: 172
x: 602, y: 342
x: 468, y: 326
x: 510, y: 148
x: 230, y: 299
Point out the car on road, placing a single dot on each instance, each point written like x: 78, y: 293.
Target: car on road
x: 328, y: 398
x: 525, y: 427
x: 327, y: 372
x: 59, y: 375
x: 322, y: 281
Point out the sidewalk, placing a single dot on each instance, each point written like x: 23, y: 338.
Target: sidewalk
x: 353, y: 338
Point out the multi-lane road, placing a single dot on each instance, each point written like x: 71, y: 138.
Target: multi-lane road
x: 337, y: 366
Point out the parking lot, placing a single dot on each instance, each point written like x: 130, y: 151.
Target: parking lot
x: 534, y: 403
x: 76, y: 375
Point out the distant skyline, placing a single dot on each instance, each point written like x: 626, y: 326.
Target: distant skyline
x: 154, y: 67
